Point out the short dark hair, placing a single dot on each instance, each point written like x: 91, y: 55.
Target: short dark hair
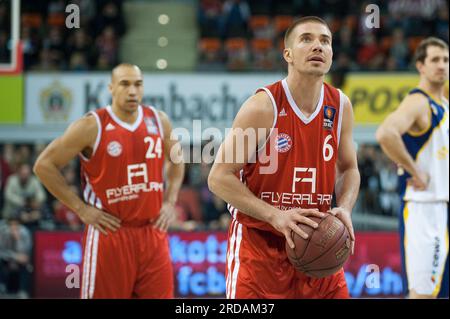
x: 421, y: 51
x: 303, y: 20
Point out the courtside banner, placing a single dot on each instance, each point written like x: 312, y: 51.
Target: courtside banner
x: 213, y: 99
x: 199, y: 265
x: 60, y: 98
x: 375, y: 95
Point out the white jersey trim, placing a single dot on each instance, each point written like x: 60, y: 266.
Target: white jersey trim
x: 158, y: 119
x: 275, y: 116
x: 125, y: 125
x: 341, y: 113
x: 98, y: 137
x: 295, y: 107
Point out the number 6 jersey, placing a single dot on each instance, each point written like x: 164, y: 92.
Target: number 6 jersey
x: 302, y: 152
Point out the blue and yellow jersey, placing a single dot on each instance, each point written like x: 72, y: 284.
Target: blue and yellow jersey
x: 429, y: 149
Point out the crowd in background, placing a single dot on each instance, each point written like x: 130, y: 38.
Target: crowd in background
x: 49, y: 45
x: 248, y: 34
x: 234, y: 35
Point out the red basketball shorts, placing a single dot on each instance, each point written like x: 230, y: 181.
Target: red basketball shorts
x: 257, y: 267
x: 133, y: 262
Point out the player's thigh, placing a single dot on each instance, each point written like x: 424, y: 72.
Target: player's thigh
x: 108, y: 265
x: 426, y: 246
x: 155, y: 275
x: 257, y: 265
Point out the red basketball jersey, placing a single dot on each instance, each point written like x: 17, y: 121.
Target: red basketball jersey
x: 124, y: 175
x: 306, y: 150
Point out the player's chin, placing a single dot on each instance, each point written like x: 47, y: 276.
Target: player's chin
x: 439, y: 81
x: 317, y: 71
x: 132, y: 105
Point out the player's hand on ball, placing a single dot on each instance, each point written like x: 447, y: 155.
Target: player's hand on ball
x: 99, y: 219
x: 286, y: 222
x: 167, y: 216
x: 345, y: 217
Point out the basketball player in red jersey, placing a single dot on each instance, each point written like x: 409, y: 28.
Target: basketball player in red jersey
x: 310, y: 123
x: 124, y: 149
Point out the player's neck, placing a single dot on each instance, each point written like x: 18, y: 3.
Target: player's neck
x: 436, y: 91
x: 127, y: 117
x: 305, y: 90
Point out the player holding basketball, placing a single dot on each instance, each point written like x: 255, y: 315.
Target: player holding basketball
x: 416, y: 137
x: 124, y: 149
x: 311, y: 123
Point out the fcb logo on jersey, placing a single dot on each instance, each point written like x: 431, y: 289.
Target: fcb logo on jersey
x: 114, y: 149
x: 152, y: 128
x: 328, y: 117
x: 284, y: 143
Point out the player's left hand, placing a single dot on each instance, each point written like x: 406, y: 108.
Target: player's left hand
x: 167, y: 216
x: 345, y: 217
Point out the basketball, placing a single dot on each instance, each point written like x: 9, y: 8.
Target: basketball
x: 326, y: 249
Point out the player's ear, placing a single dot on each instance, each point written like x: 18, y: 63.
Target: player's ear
x: 419, y: 66
x: 110, y: 87
x: 287, y: 54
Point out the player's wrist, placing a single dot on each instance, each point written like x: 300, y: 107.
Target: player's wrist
x: 272, y: 214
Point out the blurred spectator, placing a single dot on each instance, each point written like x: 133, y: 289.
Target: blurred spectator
x: 31, y: 214
x: 78, y: 62
x: 103, y: 63
x: 442, y: 24
x: 210, y: 18
x: 23, y: 191
x: 369, y: 179
x: 30, y: 46
x: 189, y: 206
x: 389, y: 198
x: 111, y: 15
x: 369, y: 55
x: 81, y: 51
x: 236, y: 15
x: 88, y: 7
x: 15, y: 258
x: 5, y: 171
x: 344, y: 43
x: 55, y: 47
x: 399, y: 49
x: 107, y: 46
x: 56, y: 6
x: 46, y: 61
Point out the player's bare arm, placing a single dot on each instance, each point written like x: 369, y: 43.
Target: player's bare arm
x: 413, y: 115
x: 79, y: 137
x: 174, y: 169
x: 256, y: 113
x: 347, y: 173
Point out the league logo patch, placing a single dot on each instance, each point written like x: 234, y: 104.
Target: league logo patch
x: 284, y: 143
x: 328, y: 117
x: 152, y: 128
x: 114, y: 149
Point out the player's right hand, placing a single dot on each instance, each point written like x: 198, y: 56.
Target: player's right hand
x: 419, y: 181
x: 99, y: 219
x: 286, y: 222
